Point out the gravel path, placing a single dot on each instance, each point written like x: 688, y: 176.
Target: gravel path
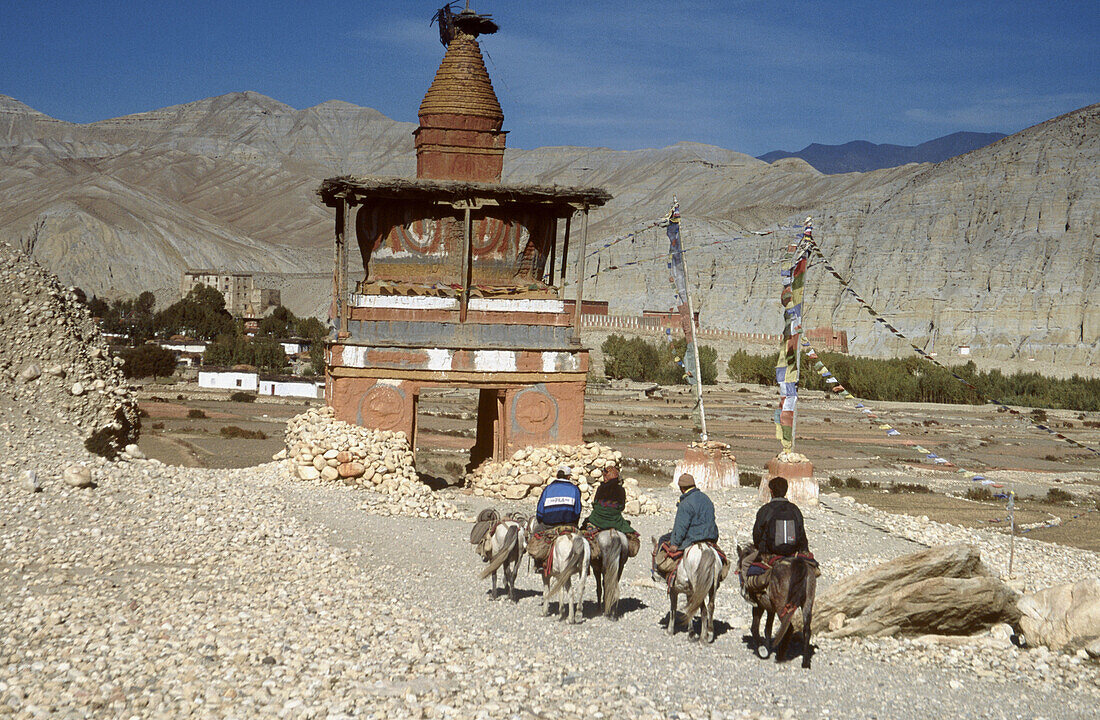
x: 178, y: 592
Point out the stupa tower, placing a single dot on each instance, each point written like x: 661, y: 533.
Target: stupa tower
x: 460, y: 136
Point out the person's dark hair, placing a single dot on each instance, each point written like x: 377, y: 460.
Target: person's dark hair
x: 778, y: 486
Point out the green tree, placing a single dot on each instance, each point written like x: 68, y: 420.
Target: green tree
x: 98, y: 307
x: 310, y: 328
x: 268, y: 354
x: 280, y: 323
x: 317, y: 357
x: 200, y: 314
x: 148, y: 361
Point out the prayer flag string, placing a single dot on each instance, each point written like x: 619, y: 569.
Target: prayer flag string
x: 890, y: 431
x: 878, y: 318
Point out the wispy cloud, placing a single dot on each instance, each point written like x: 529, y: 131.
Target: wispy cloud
x: 1007, y: 112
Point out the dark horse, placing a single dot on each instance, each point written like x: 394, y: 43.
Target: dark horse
x: 792, y: 584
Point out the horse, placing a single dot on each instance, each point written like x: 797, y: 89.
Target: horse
x: 698, y: 576
x: 792, y: 584
x: 569, y: 556
x: 506, y: 547
x: 607, y: 568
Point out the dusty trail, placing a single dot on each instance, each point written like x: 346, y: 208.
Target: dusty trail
x: 434, y: 569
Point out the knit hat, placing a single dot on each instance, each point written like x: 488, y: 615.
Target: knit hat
x: 686, y: 481
x: 611, y: 474
x: 564, y: 471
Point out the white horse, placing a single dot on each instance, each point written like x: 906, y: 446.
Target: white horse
x: 697, y: 576
x: 506, y: 547
x: 569, y: 556
x: 608, y: 568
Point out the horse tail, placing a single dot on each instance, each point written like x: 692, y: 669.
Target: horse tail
x: 796, y: 585
x: 572, y: 564
x: 706, y: 575
x: 511, y: 540
x: 809, y: 592
x: 612, y: 569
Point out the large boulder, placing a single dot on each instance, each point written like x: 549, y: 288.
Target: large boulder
x: 943, y: 590
x: 942, y: 605
x: 1063, y: 617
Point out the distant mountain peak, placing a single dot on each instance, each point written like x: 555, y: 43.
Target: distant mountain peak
x: 864, y: 156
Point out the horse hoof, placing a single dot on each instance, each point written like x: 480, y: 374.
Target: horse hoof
x: 762, y: 652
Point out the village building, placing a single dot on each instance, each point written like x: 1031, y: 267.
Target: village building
x: 464, y: 275
x: 242, y: 297
x: 225, y: 379
x: 261, y: 384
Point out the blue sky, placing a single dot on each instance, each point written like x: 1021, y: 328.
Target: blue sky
x: 749, y: 76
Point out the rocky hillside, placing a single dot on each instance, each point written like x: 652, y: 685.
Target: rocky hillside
x: 989, y: 249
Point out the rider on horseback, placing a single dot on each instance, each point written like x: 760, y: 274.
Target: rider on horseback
x: 608, y: 504
x: 779, y: 528
x: 607, y: 513
x: 558, y: 511
x: 560, y: 502
x: 779, y: 532
x: 694, y: 523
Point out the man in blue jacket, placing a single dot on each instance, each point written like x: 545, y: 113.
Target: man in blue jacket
x: 694, y: 516
x: 560, y: 502
x: 694, y: 523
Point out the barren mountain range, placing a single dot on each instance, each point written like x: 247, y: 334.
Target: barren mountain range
x: 995, y: 249
x: 863, y: 156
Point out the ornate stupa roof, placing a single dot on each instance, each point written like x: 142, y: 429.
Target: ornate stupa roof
x: 462, y: 85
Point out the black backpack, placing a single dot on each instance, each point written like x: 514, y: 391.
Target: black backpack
x: 783, y: 529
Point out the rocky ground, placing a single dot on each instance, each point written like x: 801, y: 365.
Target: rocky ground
x: 168, y: 592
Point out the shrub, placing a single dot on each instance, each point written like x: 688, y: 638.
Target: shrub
x: 638, y: 360
x: 834, y: 482
x: 750, y: 479
x: 979, y: 493
x: 242, y: 397
x: 911, y: 379
x: 853, y: 483
x: 148, y: 361
x: 195, y: 413
x: 916, y: 488
x: 1058, y: 495
x: 232, y: 431
x: 158, y: 426
x: 599, y: 433
x: 1052, y: 458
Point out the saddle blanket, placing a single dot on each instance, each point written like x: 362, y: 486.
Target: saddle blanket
x: 540, y: 543
x: 762, y: 565
x: 673, y: 558
x: 633, y: 542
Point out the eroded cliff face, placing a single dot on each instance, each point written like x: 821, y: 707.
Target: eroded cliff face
x: 995, y: 249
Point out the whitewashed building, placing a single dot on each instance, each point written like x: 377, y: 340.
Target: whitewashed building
x: 292, y: 387
x: 229, y: 380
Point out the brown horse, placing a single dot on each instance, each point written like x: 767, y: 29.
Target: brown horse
x: 792, y: 584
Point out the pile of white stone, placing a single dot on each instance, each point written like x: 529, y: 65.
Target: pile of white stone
x: 321, y: 448
x: 532, y: 468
